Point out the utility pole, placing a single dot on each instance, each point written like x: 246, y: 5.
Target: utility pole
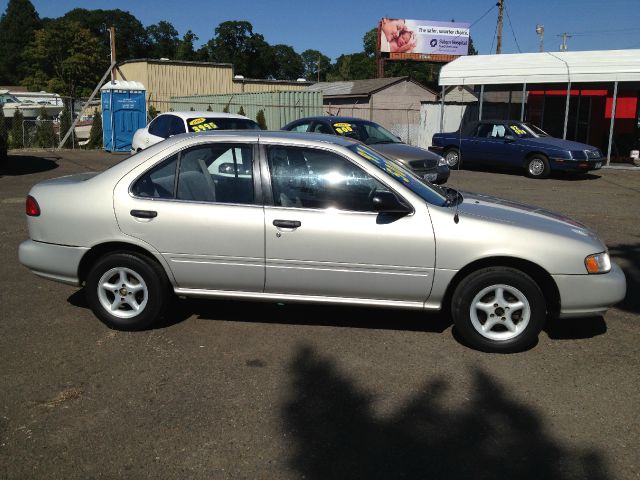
x: 112, y: 42
x: 540, y: 32
x: 563, y: 45
x: 500, y: 20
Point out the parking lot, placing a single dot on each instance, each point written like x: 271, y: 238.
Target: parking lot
x: 228, y: 389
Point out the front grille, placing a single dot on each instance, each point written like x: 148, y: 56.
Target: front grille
x: 422, y: 165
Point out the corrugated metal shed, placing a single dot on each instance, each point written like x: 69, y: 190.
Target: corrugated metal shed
x: 165, y: 79
x: 545, y: 67
x: 279, y: 108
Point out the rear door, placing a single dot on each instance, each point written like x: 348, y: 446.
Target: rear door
x: 323, y: 238
x: 200, y: 210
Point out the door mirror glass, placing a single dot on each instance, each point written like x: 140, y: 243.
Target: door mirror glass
x: 387, y: 202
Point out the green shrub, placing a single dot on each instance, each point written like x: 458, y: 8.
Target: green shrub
x: 261, y: 120
x: 95, y: 135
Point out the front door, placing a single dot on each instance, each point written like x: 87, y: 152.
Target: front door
x: 323, y: 238
x: 198, y: 209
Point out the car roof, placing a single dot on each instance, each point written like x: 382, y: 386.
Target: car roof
x: 332, y: 118
x: 278, y: 135
x: 206, y: 114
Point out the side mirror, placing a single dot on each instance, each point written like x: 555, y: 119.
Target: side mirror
x: 388, y: 202
x: 509, y: 138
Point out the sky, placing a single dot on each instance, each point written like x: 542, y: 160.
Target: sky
x: 337, y: 27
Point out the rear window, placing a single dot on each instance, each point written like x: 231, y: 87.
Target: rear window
x: 203, y: 124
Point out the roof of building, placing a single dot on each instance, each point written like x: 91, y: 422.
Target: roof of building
x: 356, y: 88
x: 545, y: 67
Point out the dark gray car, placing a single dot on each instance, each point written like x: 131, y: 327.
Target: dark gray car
x: 427, y: 165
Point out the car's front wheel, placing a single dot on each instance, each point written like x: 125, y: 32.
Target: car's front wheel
x: 499, y: 309
x: 452, y: 157
x: 538, y: 167
x: 127, y: 291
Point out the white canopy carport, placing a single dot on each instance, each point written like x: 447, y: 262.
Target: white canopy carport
x: 545, y: 67
x: 599, y: 66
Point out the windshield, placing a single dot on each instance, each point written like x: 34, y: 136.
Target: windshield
x: 202, y: 124
x: 535, y: 131
x: 7, y: 98
x: 426, y: 191
x: 367, y: 132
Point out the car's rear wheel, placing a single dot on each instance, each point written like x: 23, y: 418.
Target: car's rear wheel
x: 538, y: 166
x: 452, y: 157
x: 499, y: 309
x: 127, y: 291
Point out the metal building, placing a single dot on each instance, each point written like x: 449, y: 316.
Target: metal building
x: 172, y: 78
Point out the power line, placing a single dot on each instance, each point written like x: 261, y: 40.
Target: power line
x: 512, y: 30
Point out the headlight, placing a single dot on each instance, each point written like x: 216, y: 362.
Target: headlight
x: 598, y: 263
x: 441, y: 162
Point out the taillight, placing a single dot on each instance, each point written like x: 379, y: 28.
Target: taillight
x: 33, y: 209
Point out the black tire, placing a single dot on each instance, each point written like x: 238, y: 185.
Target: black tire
x: 514, y: 329
x: 537, y: 166
x: 452, y: 157
x: 145, y: 285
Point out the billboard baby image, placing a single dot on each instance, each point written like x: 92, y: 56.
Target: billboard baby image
x: 423, y: 36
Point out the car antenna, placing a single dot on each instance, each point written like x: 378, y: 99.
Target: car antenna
x: 456, y: 216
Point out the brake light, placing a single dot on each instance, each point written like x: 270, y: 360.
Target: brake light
x: 33, y: 209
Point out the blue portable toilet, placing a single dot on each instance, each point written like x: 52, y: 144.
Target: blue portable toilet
x: 124, y: 110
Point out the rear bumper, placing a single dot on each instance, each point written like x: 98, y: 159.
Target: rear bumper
x: 587, y: 295
x: 54, y: 262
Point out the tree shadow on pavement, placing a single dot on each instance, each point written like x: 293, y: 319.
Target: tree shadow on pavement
x: 628, y: 257
x: 486, y: 434
x: 24, y: 165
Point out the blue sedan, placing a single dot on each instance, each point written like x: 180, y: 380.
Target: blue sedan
x: 510, y: 143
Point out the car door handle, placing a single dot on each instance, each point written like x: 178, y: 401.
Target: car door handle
x: 144, y: 213
x: 287, y: 223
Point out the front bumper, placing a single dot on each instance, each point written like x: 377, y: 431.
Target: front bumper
x: 54, y: 262
x: 566, y: 165
x: 588, y: 295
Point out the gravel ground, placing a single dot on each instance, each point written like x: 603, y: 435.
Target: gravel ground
x: 250, y: 390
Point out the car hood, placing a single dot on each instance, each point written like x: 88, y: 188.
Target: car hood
x: 527, y: 216
x: 402, y: 151
x: 558, y: 143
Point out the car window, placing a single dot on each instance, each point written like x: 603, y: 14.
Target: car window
x: 203, y: 124
x: 321, y: 127
x: 159, y: 182
x: 300, y: 127
x: 220, y: 173
x: 518, y: 130
x: 497, y: 131
x: 160, y: 126
x: 312, y: 178
x: 484, y: 130
x: 176, y: 125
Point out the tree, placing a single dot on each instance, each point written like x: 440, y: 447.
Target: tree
x: 186, y: 50
x: 209, y: 109
x: 354, y: 66
x: 45, y: 136
x: 132, y: 40
x: 153, y: 112
x: 64, y: 57
x: 17, y: 25
x: 288, y: 64
x: 472, y: 48
x: 241, y: 111
x: 164, y: 40
x: 95, y: 134
x: 4, y: 141
x: 17, y: 132
x: 370, y: 42
x: 260, y: 120
x: 226, y: 108
x: 65, y: 125
x: 315, y: 64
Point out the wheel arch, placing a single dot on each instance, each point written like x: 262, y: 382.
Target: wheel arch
x: 100, y: 250
x: 533, y: 153
x: 543, y: 279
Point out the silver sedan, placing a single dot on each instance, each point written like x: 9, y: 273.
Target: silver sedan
x: 280, y: 216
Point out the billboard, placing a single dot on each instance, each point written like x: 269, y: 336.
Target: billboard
x: 401, y: 36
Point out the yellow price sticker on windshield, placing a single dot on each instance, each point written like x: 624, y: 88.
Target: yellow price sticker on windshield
x: 518, y: 130
x: 197, y: 121
x: 342, y: 127
x: 204, y: 127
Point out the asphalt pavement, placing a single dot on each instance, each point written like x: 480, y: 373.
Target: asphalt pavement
x: 269, y: 391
